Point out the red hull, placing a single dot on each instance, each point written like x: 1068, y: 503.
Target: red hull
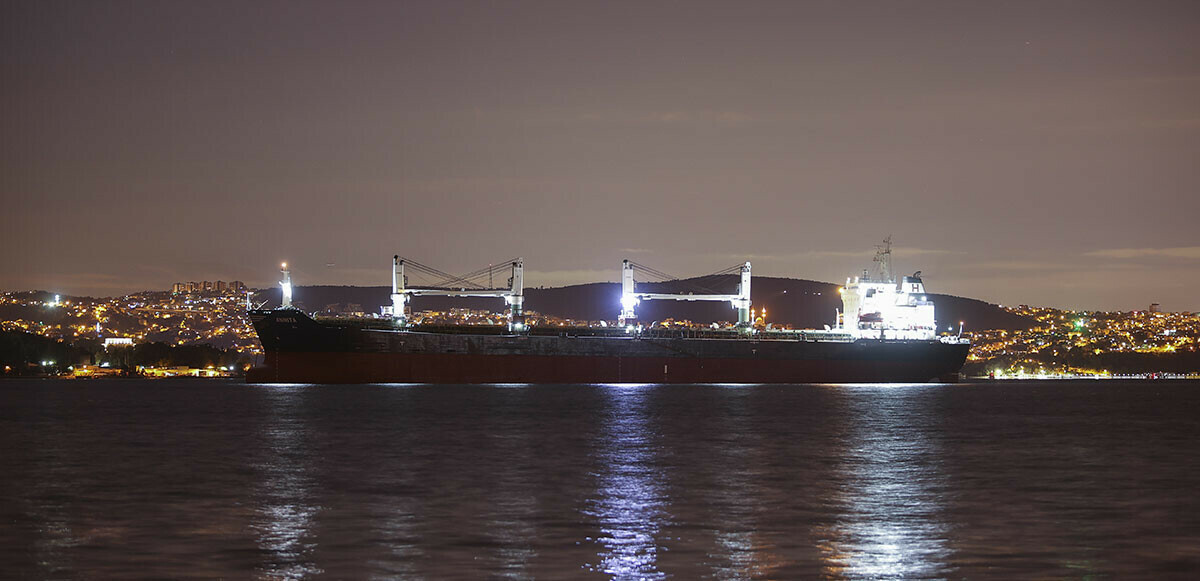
x: 324, y: 367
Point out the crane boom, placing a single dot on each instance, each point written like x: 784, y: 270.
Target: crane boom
x: 514, y: 295
x: 630, y: 297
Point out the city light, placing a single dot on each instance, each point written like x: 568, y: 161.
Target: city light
x: 1060, y: 342
x: 177, y: 318
x: 1059, y: 345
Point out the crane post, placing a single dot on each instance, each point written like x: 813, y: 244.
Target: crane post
x: 628, y: 300
x: 399, y: 298
x: 516, y: 298
x: 742, y: 303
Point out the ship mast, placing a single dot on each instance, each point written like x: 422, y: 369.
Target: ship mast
x: 883, y: 256
x: 285, y: 287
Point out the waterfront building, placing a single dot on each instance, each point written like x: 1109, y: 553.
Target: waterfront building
x: 117, y: 342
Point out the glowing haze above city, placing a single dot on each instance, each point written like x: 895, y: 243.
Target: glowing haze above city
x: 1042, y: 153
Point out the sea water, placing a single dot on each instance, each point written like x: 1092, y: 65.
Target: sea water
x: 203, y: 478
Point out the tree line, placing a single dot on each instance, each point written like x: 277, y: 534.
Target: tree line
x: 29, y: 354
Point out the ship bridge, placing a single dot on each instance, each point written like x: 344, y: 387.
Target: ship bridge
x: 879, y: 307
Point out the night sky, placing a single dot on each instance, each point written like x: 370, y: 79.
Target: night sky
x: 1043, y: 152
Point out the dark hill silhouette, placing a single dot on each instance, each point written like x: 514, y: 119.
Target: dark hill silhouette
x: 802, y: 303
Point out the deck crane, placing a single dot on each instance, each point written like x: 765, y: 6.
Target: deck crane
x: 630, y: 297
x: 514, y: 295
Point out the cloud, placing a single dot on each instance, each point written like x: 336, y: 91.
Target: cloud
x: 1014, y: 265
x: 339, y: 276
x: 1039, y: 269
x: 1192, y: 252
x: 89, y: 282
x: 473, y: 185
x: 901, y: 251
x: 381, y: 277
x: 568, y: 277
x: 675, y: 117
x: 706, y: 117
x: 134, y: 278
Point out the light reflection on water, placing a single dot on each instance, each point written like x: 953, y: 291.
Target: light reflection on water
x: 394, y: 524
x: 56, y: 535
x: 629, y: 504
x: 221, y: 480
x: 892, y: 526
x: 285, y: 487
x: 740, y: 551
x: 511, y: 499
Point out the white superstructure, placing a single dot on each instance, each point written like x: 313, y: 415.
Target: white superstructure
x: 881, y: 308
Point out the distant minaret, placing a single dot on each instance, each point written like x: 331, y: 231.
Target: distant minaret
x: 286, y: 285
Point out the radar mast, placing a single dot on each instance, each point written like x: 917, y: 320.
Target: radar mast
x: 883, y: 256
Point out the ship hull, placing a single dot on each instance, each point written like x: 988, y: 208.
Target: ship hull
x: 300, y: 350
x: 324, y: 367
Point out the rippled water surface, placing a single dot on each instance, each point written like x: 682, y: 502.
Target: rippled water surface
x: 126, y: 479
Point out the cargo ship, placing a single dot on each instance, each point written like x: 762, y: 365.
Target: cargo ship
x: 885, y: 332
